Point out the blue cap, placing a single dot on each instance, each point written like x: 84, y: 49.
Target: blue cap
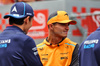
x: 20, y: 10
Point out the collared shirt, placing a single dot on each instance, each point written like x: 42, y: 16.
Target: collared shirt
x: 17, y: 49
x: 63, y: 54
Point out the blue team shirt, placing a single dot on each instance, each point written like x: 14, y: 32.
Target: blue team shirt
x: 89, y: 50
x: 17, y: 49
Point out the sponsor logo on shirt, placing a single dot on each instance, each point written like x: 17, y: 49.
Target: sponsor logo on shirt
x: 63, y: 58
x: 66, y: 47
x: 45, y: 59
x: 3, y: 45
x: 64, y: 53
x: 44, y: 54
x: 41, y: 48
x: 35, y: 50
x: 90, y: 43
x: 35, y: 53
x: 5, y: 41
x: 89, y: 46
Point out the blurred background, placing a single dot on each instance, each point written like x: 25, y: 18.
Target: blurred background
x: 85, y: 12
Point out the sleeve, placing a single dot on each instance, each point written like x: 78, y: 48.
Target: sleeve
x: 97, y: 54
x: 75, y: 57
x: 79, y: 53
x: 30, y: 54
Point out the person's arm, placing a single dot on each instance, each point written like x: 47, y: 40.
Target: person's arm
x: 75, y: 59
x: 30, y: 54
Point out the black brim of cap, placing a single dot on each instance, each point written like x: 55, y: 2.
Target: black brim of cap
x: 17, y: 17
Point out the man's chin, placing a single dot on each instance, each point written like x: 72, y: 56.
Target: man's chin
x: 64, y: 36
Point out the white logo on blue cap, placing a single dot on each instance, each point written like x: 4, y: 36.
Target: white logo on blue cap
x: 14, y: 9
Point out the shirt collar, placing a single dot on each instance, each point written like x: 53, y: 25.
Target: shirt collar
x: 14, y: 28
x: 58, y: 44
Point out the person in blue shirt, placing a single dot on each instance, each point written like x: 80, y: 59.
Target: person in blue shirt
x: 89, y: 50
x: 17, y: 48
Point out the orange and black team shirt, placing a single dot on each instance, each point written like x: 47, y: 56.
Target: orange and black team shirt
x: 63, y: 54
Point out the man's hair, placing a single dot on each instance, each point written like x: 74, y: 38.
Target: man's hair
x: 18, y: 21
x: 53, y: 24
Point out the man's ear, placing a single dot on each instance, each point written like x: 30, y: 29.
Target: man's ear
x: 51, y: 26
x: 26, y: 20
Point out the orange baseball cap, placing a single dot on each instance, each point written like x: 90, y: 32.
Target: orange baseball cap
x: 60, y: 17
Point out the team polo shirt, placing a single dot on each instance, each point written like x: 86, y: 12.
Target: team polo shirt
x: 17, y: 49
x: 89, y: 50
x: 59, y: 54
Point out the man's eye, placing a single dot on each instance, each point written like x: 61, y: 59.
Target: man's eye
x: 63, y: 24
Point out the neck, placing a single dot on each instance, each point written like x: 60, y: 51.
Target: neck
x: 54, y: 39
x: 20, y: 26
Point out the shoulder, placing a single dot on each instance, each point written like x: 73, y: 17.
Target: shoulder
x: 21, y: 37
x: 40, y: 45
x: 69, y: 42
x: 24, y: 36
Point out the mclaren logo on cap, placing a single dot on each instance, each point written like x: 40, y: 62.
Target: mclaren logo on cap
x: 14, y: 9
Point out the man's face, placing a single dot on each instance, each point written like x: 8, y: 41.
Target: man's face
x: 61, y: 29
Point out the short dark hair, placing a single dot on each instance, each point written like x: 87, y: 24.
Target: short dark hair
x: 17, y: 21
x: 53, y: 24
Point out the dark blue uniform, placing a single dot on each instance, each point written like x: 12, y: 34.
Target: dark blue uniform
x: 17, y: 49
x: 89, y: 51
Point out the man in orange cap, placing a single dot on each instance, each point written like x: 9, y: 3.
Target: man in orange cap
x: 57, y: 49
